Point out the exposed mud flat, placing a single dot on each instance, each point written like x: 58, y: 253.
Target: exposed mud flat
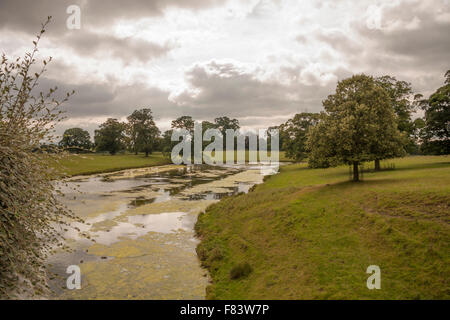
x: 139, y: 238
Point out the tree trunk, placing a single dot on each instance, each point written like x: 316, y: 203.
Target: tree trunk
x: 355, y: 171
x: 377, y: 165
x: 146, y: 153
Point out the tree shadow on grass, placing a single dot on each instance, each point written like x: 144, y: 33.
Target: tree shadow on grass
x: 421, y: 166
x: 369, y: 182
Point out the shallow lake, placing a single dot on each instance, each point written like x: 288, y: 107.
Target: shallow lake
x: 138, y: 239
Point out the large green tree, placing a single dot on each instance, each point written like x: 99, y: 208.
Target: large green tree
x: 358, y: 125
x: 320, y: 145
x: 131, y: 130
x: 143, y: 131
x: 166, y: 144
x: 206, y: 125
x: 401, y: 94
x: 294, y: 132
x: 110, y: 136
x: 76, y: 137
x: 402, y: 101
x: 437, y: 120
x: 225, y: 123
x: 184, y: 122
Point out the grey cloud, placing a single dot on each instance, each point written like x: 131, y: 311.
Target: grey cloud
x: 89, y: 43
x: 114, y: 9
x: 93, y: 101
x: 430, y: 41
x: 109, y: 100
x: 263, y: 8
x: 337, y: 40
x: 224, y: 89
x: 301, y: 39
x: 26, y: 15
x: 419, y: 55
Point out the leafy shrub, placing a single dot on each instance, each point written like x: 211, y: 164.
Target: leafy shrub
x: 29, y: 206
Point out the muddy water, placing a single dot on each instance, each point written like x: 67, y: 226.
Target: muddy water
x: 138, y: 240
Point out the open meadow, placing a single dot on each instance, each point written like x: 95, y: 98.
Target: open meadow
x: 84, y: 164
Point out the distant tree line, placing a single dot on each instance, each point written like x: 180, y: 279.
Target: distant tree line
x: 366, y: 119
x: 138, y: 134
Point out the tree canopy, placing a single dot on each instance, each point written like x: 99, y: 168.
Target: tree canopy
x: 294, y: 132
x: 76, y: 137
x: 184, y: 122
x: 403, y: 103
x: 358, y: 125
x: 143, y: 131
x: 437, y: 120
x: 110, y: 136
x: 225, y: 123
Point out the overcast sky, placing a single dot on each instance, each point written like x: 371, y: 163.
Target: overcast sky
x: 260, y: 61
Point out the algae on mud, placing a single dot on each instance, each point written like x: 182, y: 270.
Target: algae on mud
x: 140, y: 241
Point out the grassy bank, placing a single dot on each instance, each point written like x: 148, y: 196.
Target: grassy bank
x: 81, y: 164
x: 311, y: 234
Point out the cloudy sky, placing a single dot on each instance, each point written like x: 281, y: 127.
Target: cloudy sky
x: 260, y: 61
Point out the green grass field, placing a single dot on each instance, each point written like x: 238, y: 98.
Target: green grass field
x: 281, y: 156
x: 81, y: 164
x: 311, y: 234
